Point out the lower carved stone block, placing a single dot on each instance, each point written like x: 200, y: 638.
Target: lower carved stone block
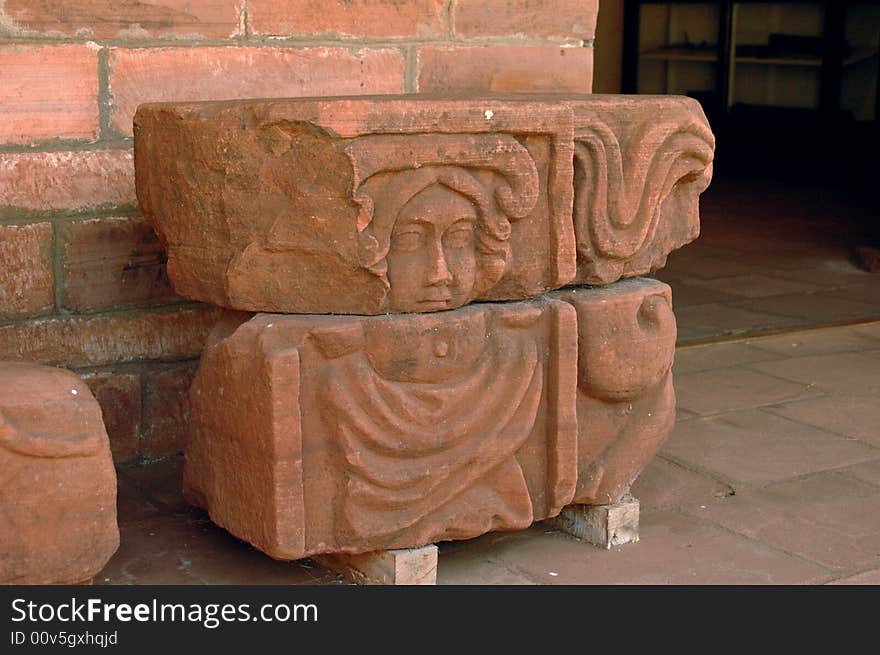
x: 602, y: 525
x: 340, y: 434
x: 57, y: 482
x: 405, y: 566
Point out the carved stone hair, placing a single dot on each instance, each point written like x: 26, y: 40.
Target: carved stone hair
x: 494, y: 172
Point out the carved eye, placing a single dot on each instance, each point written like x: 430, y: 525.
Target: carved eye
x: 407, y: 240
x: 459, y: 235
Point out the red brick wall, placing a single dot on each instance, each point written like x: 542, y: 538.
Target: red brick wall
x: 82, y: 279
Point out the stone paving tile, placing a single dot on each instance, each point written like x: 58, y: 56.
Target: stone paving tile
x: 814, y: 342
x: 674, y: 549
x: 828, y: 273
x: 189, y: 549
x: 847, y: 373
x: 830, y: 266
x: 851, y: 415
x: 757, y: 447
x: 706, y: 266
x: 685, y: 294
x: 666, y: 485
x: 828, y: 518
x: 870, y: 330
x: 694, y: 359
x: 867, y: 291
x: 866, y: 472
x: 755, y: 285
x: 813, y: 309
x: 465, y: 567
x: 724, y: 390
x: 714, y: 319
x: 866, y: 577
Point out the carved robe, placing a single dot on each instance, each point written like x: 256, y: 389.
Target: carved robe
x: 351, y: 434
x: 413, y: 447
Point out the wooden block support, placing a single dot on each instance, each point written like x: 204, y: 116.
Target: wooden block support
x: 602, y: 525
x: 405, y: 566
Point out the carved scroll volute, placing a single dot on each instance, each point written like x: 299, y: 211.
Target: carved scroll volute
x: 460, y: 191
x: 640, y: 166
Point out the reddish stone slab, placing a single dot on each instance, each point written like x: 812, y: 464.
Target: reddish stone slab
x: 110, y: 262
x: 505, y: 68
x: 48, y: 92
x: 112, y: 19
x: 346, y: 18
x: 27, y: 279
x: 359, y: 205
x: 536, y: 19
x: 57, y: 482
x: 318, y: 434
x: 119, y: 395
x: 65, y: 181
x: 166, y: 409
x: 101, y: 339
x: 641, y: 163
x: 139, y: 75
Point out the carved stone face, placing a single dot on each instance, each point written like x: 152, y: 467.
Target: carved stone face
x: 432, y: 261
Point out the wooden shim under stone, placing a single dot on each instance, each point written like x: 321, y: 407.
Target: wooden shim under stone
x: 404, y: 566
x: 602, y: 525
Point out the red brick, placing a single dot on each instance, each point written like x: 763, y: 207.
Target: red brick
x: 43, y: 181
x: 107, y: 19
x: 166, y: 409
x: 27, y: 280
x: 550, y: 19
x: 119, y: 396
x: 505, y: 68
x: 112, y: 261
x: 109, y: 338
x: 180, y: 74
x: 47, y: 92
x: 346, y: 18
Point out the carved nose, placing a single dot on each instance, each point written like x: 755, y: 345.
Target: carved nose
x: 438, y: 272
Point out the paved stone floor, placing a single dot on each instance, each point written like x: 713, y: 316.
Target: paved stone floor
x: 770, y: 257
x: 772, y: 476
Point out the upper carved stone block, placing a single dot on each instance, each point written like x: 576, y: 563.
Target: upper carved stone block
x: 390, y: 204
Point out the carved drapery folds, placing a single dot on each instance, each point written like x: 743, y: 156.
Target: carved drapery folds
x: 296, y: 205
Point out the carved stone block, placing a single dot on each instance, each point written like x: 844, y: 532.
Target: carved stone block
x: 322, y: 434
x: 317, y: 434
x: 625, y: 397
x: 57, y: 482
x: 393, y: 204
x: 640, y: 165
x: 359, y: 205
